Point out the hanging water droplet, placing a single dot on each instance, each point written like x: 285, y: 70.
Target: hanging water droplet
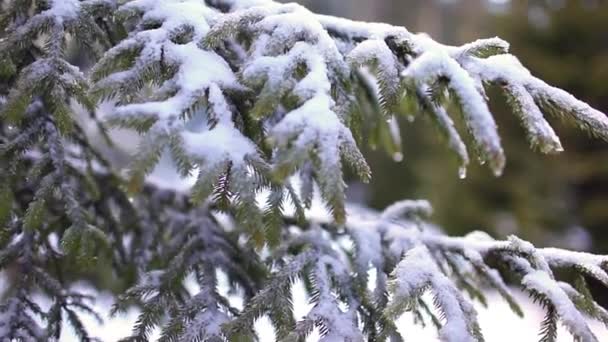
x: 131, y: 199
x: 498, y: 172
x: 462, y: 172
x: 398, y: 157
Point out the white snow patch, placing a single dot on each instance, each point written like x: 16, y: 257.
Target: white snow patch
x: 64, y: 9
x: 218, y: 144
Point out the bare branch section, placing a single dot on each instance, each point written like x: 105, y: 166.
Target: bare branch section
x: 262, y: 105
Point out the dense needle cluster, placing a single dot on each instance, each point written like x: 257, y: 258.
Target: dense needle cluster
x: 264, y: 105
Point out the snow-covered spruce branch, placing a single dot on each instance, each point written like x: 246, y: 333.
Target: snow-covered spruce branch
x: 247, y: 94
x: 291, y: 88
x: 43, y: 200
x: 408, y: 257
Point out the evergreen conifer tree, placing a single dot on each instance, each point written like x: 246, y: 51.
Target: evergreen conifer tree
x: 265, y: 104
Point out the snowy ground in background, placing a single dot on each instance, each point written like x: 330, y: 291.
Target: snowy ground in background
x: 499, y: 324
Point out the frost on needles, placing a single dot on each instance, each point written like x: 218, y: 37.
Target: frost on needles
x: 262, y: 103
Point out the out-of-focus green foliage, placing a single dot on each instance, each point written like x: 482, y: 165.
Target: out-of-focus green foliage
x: 549, y: 198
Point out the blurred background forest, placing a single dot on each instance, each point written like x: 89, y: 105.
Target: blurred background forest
x: 551, y: 200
